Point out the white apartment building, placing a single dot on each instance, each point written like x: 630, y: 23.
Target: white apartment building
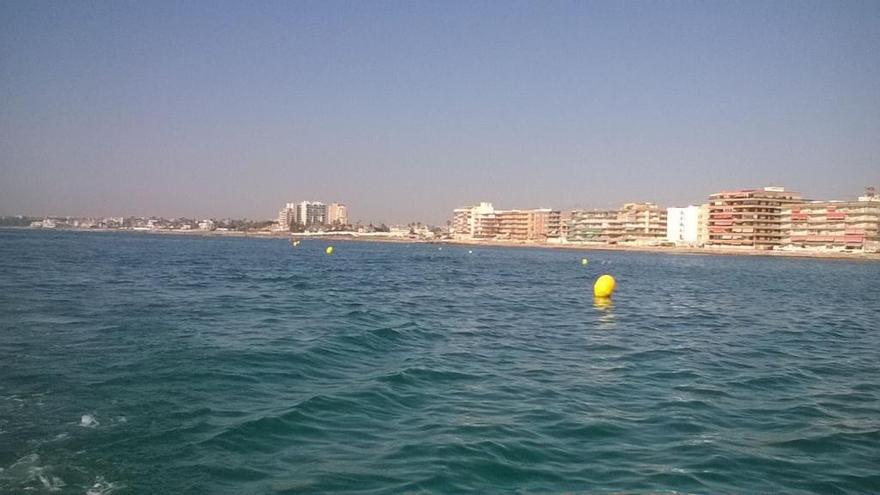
x: 474, y: 222
x: 309, y: 213
x: 683, y: 225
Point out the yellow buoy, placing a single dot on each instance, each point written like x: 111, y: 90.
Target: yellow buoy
x: 604, y: 286
x: 584, y: 261
x: 329, y: 250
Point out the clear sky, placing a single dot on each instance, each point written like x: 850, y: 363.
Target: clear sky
x: 405, y: 110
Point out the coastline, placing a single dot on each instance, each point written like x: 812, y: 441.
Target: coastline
x: 832, y: 255
x: 637, y: 249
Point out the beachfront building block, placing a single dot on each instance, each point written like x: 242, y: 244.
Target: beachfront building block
x: 748, y: 218
x: 683, y: 225
x: 633, y: 223
x: 643, y: 223
x: 537, y: 224
x: 594, y: 226
x: 703, y: 225
x: 833, y: 225
x: 474, y: 222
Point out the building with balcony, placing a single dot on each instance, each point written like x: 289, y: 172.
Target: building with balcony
x: 474, y: 222
x: 527, y: 225
x: 643, y: 223
x: 833, y: 225
x: 636, y: 223
x: 312, y: 214
x: 594, y: 226
x: 748, y: 218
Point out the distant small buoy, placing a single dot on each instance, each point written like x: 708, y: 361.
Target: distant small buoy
x: 604, y: 286
x: 470, y: 252
x: 439, y: 249
x: 584, y: 261
x: 329, y: 250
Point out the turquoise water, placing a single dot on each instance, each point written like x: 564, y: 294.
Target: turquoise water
x: 162, y: 364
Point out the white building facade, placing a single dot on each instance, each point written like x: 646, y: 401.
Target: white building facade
x: 474, y: 222
x: 683, y: 225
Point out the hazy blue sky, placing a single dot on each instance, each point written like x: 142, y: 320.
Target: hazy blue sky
x: 405, y: 110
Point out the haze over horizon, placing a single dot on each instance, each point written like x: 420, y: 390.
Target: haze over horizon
x: 406, y: 110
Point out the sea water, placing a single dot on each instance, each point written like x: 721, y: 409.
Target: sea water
x: 141, y: 364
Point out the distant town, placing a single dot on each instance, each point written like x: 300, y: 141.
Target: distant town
x: 768, y: 218
x: 762, y: 219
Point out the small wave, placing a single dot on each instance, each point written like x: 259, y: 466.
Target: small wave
x: 102, y: 487
x: 414, y: 376
x: 27, y: 475
x: 88, y: 421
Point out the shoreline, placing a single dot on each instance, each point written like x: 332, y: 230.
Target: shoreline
x: 636, y: 249
x: 832, y: 255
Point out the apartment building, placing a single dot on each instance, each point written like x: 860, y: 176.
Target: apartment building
x: 643, y: 222
x: 286, y: 215
x: 703, y: 225
x: 599, y: 226
x: 833, y: 225
x: 749, y: 218
x: 474, y: 222
x: 527, y: 225
x: 637, y: 223
x: 337, y: 214
x: 312, y: 213
x: 683, y: 225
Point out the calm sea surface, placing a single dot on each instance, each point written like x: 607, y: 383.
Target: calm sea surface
x: 161, y: 365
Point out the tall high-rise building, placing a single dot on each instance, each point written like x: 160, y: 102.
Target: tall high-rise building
x: 312, y: 213
x: 748, y: 217
x: 337, y: 214
x: 286, y: 215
